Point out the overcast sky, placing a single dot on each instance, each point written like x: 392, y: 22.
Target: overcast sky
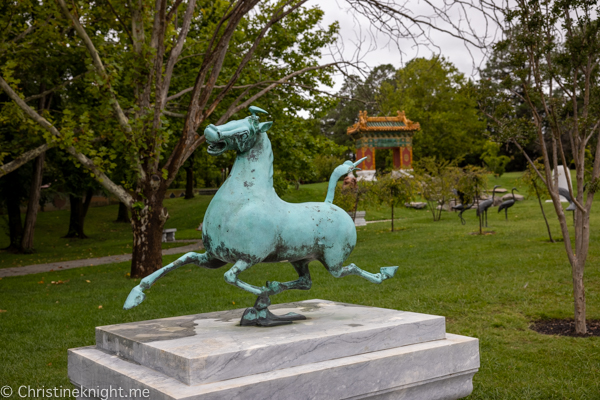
x: 353, y: 26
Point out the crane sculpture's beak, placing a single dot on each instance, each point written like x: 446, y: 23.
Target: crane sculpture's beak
x: 358, y: 163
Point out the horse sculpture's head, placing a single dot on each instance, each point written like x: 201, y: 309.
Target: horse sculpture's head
x: 237, y: 135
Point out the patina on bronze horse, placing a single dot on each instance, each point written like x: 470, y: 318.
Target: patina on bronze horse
x: 246, y: 223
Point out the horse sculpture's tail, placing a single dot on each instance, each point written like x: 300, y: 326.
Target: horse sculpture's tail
x: 341, y: 170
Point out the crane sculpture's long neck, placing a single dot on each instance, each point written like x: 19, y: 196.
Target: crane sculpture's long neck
x: 493, y: 194
x: 513, y: 194
x: 252, y: 171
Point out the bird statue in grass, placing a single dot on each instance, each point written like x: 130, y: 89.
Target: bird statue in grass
x: 463, y: 209
x: 508, y: 204
x: 565, y: 193
x: 483, y: 206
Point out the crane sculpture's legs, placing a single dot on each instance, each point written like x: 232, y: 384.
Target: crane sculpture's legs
x: 260, y: 314
x: 486, y: 218
x: 462, y: 220
x: 136, y: 296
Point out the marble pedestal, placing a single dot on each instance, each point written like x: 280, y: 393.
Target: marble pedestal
x: 341, y: 351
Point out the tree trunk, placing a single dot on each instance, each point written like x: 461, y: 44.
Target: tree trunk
x: 148, y: 224
x: 86, y: 205
x: 33, y: 205
x: 13, y: 209
x: 392, y: 217
x: 543, y: 213
x: 189, y: 182
x: 79, y: 210
x: 579, y: 297
x: 75, y: 228
x: 123, y: 215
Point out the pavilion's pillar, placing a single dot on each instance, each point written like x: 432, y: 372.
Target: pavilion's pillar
x: 407, y: 157
x: 369, y: 152
x: 397, y: 158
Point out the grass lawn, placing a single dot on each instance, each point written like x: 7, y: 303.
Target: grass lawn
x: 491, y: 287
x: 105, y: 237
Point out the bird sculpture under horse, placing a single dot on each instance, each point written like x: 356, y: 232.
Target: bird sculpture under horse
x: 246, y: 223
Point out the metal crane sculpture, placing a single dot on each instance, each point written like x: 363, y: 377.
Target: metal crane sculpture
x: 246, y: 223
x: 462, y: 209
x: 565, y: 193
x: 508, y: 204
x: 482, y: 207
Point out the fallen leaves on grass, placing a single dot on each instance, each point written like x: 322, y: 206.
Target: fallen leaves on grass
x: 41, y: 282
x: 88, y: 281
x: 1, y: 311
x: 99, y: 307
x: 58, y: 282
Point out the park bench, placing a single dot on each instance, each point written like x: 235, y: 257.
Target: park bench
x: 169, y: 235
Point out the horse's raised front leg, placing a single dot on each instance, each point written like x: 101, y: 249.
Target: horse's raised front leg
x: 259, y: 314
x: 136, y: 296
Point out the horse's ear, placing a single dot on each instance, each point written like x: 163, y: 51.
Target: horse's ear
x: 264, y: 126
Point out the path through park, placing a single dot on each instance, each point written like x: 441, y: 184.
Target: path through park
x: 62, y: 265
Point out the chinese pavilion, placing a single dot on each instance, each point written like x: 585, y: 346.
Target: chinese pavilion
x: 372, y: 133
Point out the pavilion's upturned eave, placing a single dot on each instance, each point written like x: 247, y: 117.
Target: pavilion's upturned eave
x: 397, y: 124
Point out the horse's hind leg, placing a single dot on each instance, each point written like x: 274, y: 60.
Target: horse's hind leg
x: 136, y: 296
x: 260, y: 314
x: 302, y: 283
x: 338, y: 271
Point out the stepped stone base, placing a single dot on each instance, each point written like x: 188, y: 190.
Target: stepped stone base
x: 341, y: 351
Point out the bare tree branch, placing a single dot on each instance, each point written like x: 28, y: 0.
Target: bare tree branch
x: 172, y: 114
x: 24, y: 158
x: 279, y: 14
x: 120, y: 20
x: 84, y: 160
x: 121, y: 118
x: 173, y: 9
x: 54, y: 89
x: 283, y: 80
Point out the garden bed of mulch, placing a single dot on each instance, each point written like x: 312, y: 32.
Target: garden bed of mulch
x: 565, y: 327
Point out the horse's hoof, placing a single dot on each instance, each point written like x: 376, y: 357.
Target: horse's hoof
x: 254, y: 317
x: 388, y: 272
x: 136, y: 296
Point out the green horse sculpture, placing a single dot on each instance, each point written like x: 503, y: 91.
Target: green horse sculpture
x: 246, y: 223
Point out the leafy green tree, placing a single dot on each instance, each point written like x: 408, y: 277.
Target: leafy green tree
x: 154, y: 74
x: 437, y: 179
x: 535, y: 186
x: 325, y: 164
x: 354, y: 96
x: 392, y: 190
x: 493, y: 160
x: 433, y: 93
x: 552, y: 56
